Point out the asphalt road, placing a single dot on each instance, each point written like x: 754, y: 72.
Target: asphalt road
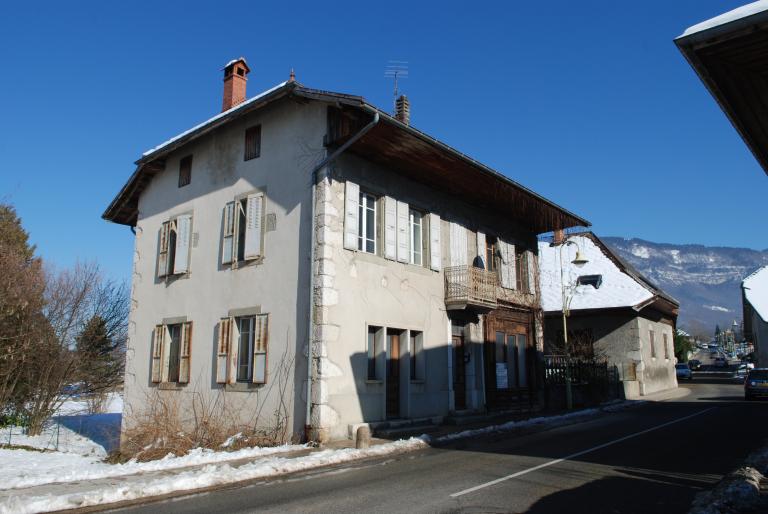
x: 651, y: 458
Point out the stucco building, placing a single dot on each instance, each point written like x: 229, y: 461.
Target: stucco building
x: 304, y: 244
x: 614, y: 313
x: 754, y: 298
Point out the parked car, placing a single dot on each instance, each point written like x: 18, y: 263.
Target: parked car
x: 694, y: 364
x: 721, y: 362
x: 740, y: 374
x: 756, y: 383
x: 683, y: 371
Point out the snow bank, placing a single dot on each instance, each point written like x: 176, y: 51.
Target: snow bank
x: 29, y: 468
x: 208, y: 476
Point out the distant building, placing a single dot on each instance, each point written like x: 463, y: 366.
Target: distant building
x: 754, y: 295
x: 730, y: 54
x: 615, y: 313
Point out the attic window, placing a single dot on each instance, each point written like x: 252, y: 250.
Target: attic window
x: 252, y: 142
x: 241, y: 72
x: 590, y: 280
x: 185, y: 171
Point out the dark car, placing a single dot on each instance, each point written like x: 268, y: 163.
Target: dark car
x: 694, y: 364
x: 756, y: 383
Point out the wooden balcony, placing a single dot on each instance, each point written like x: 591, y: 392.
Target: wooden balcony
x: 468, y: 287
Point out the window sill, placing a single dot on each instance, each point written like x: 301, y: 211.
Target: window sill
x: 242, y: 387
x: 245, y: 264
x: 170, y: 386
x: 375, y: 258
x: 369, y: 381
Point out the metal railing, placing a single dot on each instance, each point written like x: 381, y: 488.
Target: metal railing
x: 470, y: 286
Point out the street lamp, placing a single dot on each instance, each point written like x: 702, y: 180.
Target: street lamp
x: 579, y: 262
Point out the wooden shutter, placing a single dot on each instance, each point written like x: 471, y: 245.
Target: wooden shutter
x: 166, y: 355
x: 531, y: 262
x: 260, y: 344
x: 227, y: 246
x: 183, y: 240
x: 157, y: 353
x: 351, y: 215
x: 185, y: 351
x: 162, y: 258
x: 390, y: 220
x: 435, y: 253
x: 253, y: 222
x: 458, y: 245
x: 403, y: 232
x: 480, y: 237
x: 234, y: 350
x: 222, y: 350
x: 507, y: 274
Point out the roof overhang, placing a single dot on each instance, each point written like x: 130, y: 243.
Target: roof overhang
x: 401, y: 147
x: 730, y: 55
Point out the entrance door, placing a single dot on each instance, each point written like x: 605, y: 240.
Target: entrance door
x: 393, y: 375
x: 507, y: 357
x: 459, y: 374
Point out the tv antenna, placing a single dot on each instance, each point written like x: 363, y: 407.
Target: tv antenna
x: 396, y: 70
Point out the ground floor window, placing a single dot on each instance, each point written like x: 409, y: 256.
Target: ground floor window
x: 245, y: 326
x: 416, y: 348
x: 374, y: 350
x: 171, y: 347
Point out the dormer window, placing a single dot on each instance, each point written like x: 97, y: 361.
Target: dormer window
x: 590, y: 280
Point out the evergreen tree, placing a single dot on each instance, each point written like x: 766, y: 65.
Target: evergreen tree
x: 98, y: 357
x: 12, y: 234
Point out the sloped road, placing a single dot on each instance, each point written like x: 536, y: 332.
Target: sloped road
x: 648, y: 459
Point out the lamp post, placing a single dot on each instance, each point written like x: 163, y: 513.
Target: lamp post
x: 579, y: 262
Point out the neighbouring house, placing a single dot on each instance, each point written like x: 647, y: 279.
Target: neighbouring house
x: 730, y: 54
x: 325, y: 264
x: 614, y: 313
x: 754, y: 299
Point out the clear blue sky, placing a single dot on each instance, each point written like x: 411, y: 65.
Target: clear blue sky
x: 587, y: 103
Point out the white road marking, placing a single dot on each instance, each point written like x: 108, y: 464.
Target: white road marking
x: 577, y: 454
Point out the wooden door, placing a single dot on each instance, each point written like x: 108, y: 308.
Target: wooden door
x: 507, y: 357
x: 459, y: 374
x: 393, y: 376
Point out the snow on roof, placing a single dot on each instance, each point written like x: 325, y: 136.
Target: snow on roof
x: 617, y: 289
x: 211, y: 120
x: 728, y: 17
x: 756, y: 291
x: 233, y: 61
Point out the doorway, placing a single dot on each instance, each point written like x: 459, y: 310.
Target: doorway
x: 508, y: 357
x: 393, y: 374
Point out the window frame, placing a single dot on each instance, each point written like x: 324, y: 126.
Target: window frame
x: 521, y: 272
x: 666, y: 345
x: 362, y: 229
x: 418, y: 368
x: 416, y: 247
x: 185, y: 170
x: 249, y: 348
x: 491, y: 253
x: 254, y: 150
x: 375, y: 338
x: 652, y: 338
x: 237, y: 228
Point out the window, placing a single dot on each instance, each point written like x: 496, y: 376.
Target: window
x: 242, y: 234
x: 374, y: 351
x: 653, y: 344
x: 666, y: 346
x: 185, y: 171
x: 242, y: 349
x: 490, y: 253
x: 416, y: 225
x: 174, y: 246
x: 368, y: 223
x: 416, y: 348
x: 252, y: 142
x: 521, y: 272
x: 590, y: 280
x: 171, y: 349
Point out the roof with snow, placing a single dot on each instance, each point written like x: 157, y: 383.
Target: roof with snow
x: 755, y: 288
x: 391, y: 143
x: 730, y: 55
x: 621, y: 286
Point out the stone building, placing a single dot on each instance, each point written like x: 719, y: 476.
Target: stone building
x: 303, y: 226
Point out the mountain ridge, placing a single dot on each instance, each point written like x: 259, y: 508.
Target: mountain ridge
x: 706, y: 280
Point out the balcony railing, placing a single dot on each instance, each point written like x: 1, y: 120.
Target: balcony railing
x: 468, y: 286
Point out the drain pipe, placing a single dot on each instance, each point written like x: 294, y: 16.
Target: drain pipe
x: 325, y: 162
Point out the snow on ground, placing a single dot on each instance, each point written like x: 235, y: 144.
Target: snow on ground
x: 205, y: 477
x: 214, y: 471
x: 30, y: 468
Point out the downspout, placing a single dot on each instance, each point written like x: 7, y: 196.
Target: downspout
x: 325, y: 162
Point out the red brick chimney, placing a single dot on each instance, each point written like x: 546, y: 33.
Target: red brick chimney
x: 234, y: 83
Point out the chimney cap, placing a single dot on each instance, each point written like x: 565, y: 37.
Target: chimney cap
x: 235, y: 61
